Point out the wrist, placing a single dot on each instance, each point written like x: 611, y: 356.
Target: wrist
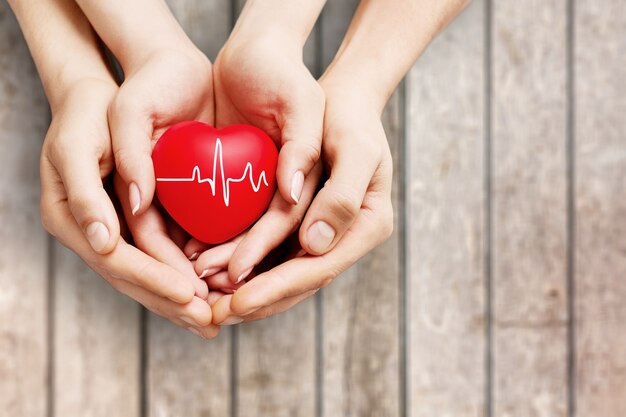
x: 62, y: 92
x: 283, y: 19
x: 349, y: 90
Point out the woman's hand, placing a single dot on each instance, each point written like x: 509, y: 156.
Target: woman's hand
x: 76, y: 157
x: 355, y: 203
x: 262, y: 81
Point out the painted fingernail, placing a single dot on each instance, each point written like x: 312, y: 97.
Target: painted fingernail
x: 297, y: 182
x: 232, y: 320
x: 243, y: 276
x: 188, y: 320
x: 97, y: 235
x: 134, y: 197
x: 209, y: 271
x: 319, y: 236
x: 197, y: 333
x: 194, y: 256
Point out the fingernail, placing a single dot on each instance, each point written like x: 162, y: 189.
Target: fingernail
x: 197, y: 333
x: 232, y: 320
x: 297, y: 182
x: 243, y: 276
x: 134, y: 197
x: 209, y: 271
x: 319, y: 236
x: 97, y: 235
x: 188, y: 320
x: 194, y: 256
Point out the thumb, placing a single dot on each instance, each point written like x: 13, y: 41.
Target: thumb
x: 131, y: 135
x: 89, y: 202
x: 301, y: 140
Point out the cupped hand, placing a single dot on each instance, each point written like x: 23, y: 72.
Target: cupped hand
x: 355, y: 203
x: 263, y: 82
x: 169, y: 86
x: 76, y: 157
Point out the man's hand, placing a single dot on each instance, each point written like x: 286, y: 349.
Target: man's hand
x: 76, y: 156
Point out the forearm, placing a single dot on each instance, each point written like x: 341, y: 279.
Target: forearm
x: 63, y: 45
x: 134, y: 30
x: 289, y: 18
x: 383, y: 41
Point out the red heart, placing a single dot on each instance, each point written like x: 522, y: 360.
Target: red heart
x: 215, y: 183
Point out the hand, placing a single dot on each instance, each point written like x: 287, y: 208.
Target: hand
x: 355, y: 202
x: 76, y: 156
x: 171, y: 86
x: 262, y: 81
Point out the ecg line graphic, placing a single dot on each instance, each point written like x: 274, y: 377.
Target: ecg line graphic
x: 218, y: 157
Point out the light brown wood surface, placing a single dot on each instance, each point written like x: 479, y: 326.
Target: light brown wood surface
x: 600, y: 210
x: 529, y: 226
x: 24, y: 331
x: 446, y: 223
x: 500, y: 294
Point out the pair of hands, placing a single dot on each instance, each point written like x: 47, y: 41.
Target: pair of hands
x: 260, y: 81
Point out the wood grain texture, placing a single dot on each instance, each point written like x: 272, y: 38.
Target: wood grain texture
x: 24, y: 248
x: 96, y: 343
x: 361, y: 307
x: 446, y: 132
x: 188, y: 376
x: 600, y: 97
x: 529, y: 239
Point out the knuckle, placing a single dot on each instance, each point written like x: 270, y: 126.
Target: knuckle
x: 80, y: 204
x: 344, y: 205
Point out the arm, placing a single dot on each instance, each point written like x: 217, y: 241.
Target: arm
x: 383, y: 41
x: 62, y: 43
x: 77, y: 155
x: 352, y: 213
x: 260, y: 79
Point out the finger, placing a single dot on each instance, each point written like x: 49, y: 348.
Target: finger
x: 79, y: 171
x: 281, y: 220
x: 196, y: 313
x: 131, y: 134
x: 124, y: 261
x: 216, y: 259
x: 214, y: 297
x: 301, y: 140
x: 307, y: 273
x: 337, y: 204
x: 194, y: 248
x: 279, y: 307
x: 224, y: 316
x: 150, y: 235
x: 177, y: 234
x: 221, y: 282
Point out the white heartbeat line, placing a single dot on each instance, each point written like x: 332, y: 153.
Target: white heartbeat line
x: 195, y: 176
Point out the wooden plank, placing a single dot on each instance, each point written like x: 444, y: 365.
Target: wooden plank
x: 23, y: 258
x: 96, y: 343
x: 360, y: 308
x: 445, y: 101
x: 600, y: 155
x: 276, y: 356
x: 185, y: 374
x: 529, y: 208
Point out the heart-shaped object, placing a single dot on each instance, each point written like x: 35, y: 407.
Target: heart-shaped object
x: 214, y: 183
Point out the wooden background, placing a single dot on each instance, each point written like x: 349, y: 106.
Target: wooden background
x: 501, y: 293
